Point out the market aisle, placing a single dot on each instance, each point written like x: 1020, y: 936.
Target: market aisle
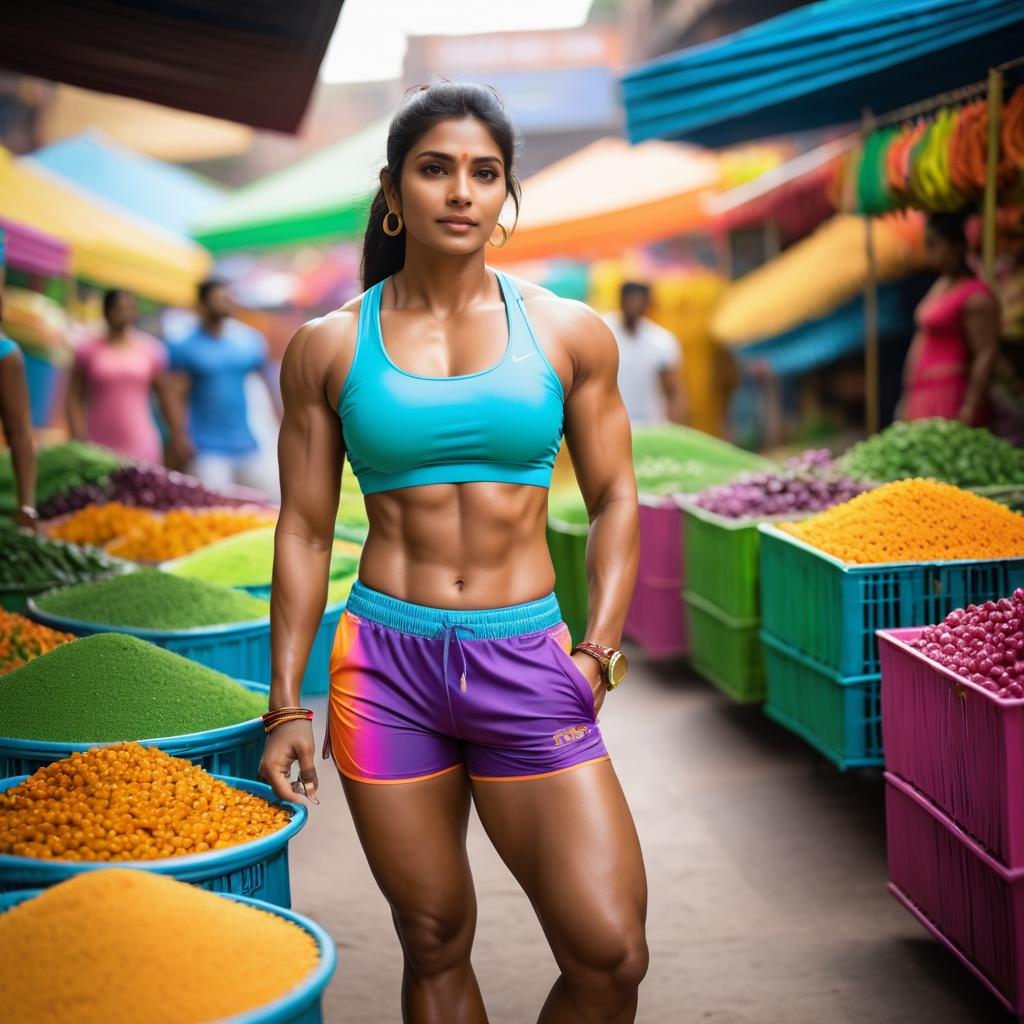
x: 767, y: 875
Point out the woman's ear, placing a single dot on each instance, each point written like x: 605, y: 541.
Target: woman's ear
x: 394, y: 203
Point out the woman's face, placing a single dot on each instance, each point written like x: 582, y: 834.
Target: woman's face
x: 123, y: 313
x: 944, y: 256
x: 453, y: 187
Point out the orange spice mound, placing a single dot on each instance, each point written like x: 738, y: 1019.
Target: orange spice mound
x: 97, y: 524
x: 119, y: 946
x: 21, y: 640
x: 914, y: 521
x: 181, y: 531
x: 128, y: 802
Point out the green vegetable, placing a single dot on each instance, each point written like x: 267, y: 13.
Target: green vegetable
x: 59, y: 468
x: 150, y: 599
x: 31, y: 562
x: 111, y: 687
x: 943, y: 450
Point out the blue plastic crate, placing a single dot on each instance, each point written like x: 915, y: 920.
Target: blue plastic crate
x: 302, y: 1005
x: 840, y: 717
x: 234, y: 750
x: 258, y: 869
x: 830, y: 611
x: 240, y: 650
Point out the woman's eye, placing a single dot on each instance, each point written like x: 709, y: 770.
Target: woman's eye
x: 432, y: 168
x: 492, y: 174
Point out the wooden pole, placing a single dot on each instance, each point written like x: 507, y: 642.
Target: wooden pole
x: 988, y: 220
x: 871, y: 395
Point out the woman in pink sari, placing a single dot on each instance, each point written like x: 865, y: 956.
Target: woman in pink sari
x: 950, y: 362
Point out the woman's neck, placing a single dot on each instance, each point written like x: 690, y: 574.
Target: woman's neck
x: 442, y: 284
x: 121, y: 336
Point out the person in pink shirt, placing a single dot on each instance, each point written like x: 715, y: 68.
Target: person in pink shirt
x: 112, y: 380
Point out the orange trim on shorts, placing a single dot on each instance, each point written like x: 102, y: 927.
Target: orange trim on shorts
x: 542, y: 775
x: 396, y: 782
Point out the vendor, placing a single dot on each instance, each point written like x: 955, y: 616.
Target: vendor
x: 949, y: 366
x: 16, y: 419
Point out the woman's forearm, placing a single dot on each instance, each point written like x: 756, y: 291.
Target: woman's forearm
x: 978, y: 383
x: 298, y: 597
x: 612, y: 560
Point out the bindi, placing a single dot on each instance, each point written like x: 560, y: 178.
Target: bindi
x: 465, y: 156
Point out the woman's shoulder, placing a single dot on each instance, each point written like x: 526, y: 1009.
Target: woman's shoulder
x: 557, y: 312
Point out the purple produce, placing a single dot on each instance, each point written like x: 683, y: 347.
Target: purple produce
x: 983, y: 643
x: 807, y: 483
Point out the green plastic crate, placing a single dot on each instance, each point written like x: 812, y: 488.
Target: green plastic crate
x: 829, y: 611
x: 839, y: 717
x: 725, y: 650
x: 567, y: 543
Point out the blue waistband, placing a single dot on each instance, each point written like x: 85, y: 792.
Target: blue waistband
x: 483, y: 623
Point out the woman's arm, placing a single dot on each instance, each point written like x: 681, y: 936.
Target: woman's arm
x: 16, y: 418
x: 599, y: 440
x: 981, y: 328
x: 76, y: 402
x: 310, y: 456
x: 172, y: 407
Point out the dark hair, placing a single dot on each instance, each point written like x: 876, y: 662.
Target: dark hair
x: 634, y: 288
x: 949, y: 226
x: 211, y: 284
x: 384, y: 255
x: 110, y: 298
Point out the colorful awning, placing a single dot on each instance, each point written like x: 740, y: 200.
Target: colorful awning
x: 819, y: 65
x: 35, y: 252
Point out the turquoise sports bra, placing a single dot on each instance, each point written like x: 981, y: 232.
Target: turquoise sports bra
x: 403, y: 430
x: 6, y: 347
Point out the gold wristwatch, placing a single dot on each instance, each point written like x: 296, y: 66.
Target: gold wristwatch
x: 613, y: 663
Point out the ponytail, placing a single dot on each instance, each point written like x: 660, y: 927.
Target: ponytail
x: 384, y: 255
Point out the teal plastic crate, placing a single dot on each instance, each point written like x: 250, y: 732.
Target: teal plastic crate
x: 829, y: 611
x: 258, y: 868
x: 302, y: 1004
x: 725, y: 650
x: 567, y: 543
x: 840, y: 717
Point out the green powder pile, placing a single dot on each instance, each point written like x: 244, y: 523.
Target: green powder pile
x: 111, y: 687
x: 150, y: 599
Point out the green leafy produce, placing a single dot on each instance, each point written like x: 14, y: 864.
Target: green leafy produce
x: 150, y: 599
x: 943, y: 450
x: 59, y: 468
x: 31, y: 562
x: 110, y: 687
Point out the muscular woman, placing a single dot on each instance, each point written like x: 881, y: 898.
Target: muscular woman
x: 453, y: 678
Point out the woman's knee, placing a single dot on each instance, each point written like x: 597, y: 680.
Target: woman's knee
x: 617, y: 960
x: 435, y: 941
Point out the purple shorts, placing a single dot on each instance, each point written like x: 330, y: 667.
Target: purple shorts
x: 417, y: 691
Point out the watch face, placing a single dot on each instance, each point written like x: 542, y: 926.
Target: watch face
x: 617, y: 668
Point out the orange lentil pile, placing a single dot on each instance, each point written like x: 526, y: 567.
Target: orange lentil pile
x: 21, y: 640
x: 183, y: 530
x: 121, y: 946
x: 914, y: 521
x: 127, y: 802
x: 97, y: 524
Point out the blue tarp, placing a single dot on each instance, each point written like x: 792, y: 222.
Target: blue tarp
x: 160, y: 192
x: 818, y: 66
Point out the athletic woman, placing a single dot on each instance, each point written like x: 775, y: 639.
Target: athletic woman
x: 16, y: 423
x: 453, y: 677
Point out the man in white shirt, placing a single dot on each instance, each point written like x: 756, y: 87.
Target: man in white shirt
x: 649, y: 359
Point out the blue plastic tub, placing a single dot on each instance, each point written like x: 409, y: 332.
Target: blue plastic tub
x: 240, y: 650
x: 233, y: 750
x: 258, y: 869
x: 302, y: 1005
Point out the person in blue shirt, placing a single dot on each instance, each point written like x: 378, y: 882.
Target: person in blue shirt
x: 213, y: 364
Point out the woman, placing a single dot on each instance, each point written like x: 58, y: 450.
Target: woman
x: 451, y: 676
x: 951, y: 359
x: 112, y: 380
x: 16, y: 420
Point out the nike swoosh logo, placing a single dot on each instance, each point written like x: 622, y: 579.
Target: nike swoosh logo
x: 519, y: 359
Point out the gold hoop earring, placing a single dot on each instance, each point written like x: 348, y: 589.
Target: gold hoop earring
x: 505, y: 236
x: 401, y: 223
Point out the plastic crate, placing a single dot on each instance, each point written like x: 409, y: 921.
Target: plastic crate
x: 301, y: 1005
x: 656, y: 618
x: 840, y: 717
x: 972, y: 904
x: 258, y: 868
x: 233, y: 750
x: 831, y: 611
x: 957, y: 742
x: 725, y: 650
x: 240, y: 650
x: 567, y: 543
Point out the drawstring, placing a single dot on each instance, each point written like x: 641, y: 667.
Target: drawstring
x: 451, y: 631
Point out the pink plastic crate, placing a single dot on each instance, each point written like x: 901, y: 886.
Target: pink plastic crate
x: 656, y: 619
x: 965, y: 898
x: 957, y: 743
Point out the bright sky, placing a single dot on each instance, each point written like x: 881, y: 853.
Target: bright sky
x: 369, y: 40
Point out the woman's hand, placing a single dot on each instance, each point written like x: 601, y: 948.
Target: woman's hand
x: 594, y: 674
x: 287, y: 744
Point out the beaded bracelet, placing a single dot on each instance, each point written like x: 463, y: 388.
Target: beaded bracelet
x: 272, y: 719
